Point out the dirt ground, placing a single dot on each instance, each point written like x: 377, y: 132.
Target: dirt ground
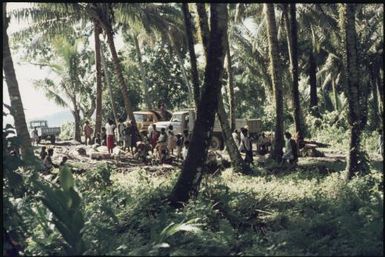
x: 79, y: 156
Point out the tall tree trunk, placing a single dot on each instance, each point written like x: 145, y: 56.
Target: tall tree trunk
x: 335, y: 94
x: 107, y: 81
x: 277, y: 81
x: 119, y: 75
x: 235, y: 157
x: 76, y: 114
x: 204, y: 26
x: 14, y: 94
x: 356, y: 101
x: 190, y: 42
x: 313, y: 80
x: 230, y: 83
x: 191, y: 175
x: 99, y: 87
x: 147, y: 97
x: 291, y: 32
x: 183, y: 70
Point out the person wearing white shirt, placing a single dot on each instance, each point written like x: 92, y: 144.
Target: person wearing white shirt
x: 110, y: 127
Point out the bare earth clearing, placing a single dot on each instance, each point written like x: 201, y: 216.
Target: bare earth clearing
x: 125, y: 162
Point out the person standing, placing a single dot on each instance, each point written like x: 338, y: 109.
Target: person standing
x: 88, y: 131
x: 154, y: 135
x: 121, y: 127
x: 110, y: 127
x: 179, y: 145
x: 134, y: 136
x: 127, y: 144
x: 246, y: 145
x: 35, y: 136
x: 171, y: 141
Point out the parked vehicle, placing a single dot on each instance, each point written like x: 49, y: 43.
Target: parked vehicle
x: 146, y: 118
x: 185, y: 119
x: 43, y: 131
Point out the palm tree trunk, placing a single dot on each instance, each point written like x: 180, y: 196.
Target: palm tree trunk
x: 119, y: 75
x: 76, y: 114
x: 352, y: 80
x: 147, y: 97
x: 204, y: 26
x: 232, y: 149
x: 14, y: 94
x: 191, y: 175
x: 230, y: 86
x: 277, y: 81
x: 190, y: 42
x: 313, y: 80
x: 291, y: 29
x: 107, y: 81
x: 235, y: 157
x: 335, y: 94
x: 99, y: 88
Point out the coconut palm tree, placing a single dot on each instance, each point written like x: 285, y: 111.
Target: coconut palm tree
x: 291, y: 31
x: 17, y: 110
x: 356, y: 99
x: 74, y: 87
x: 277, y: 82
x: 192, y: 171
x: 238, y: 164
x: 99, y: 88
x: 190, y: 43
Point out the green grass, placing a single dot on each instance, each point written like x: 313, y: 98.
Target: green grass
x: 296, y: 213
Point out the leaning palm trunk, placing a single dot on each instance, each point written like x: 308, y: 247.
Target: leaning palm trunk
x: 235, y: 157
x: 14, y: 94
x: 99, y: 88
x: 119, y: 75
x: 147, y: 98
x: 193, y: 61
x: 291, y: 32
x: 277, y: 81
x: 107, y: 81
x: 192, y: 171
x: 357, y: 99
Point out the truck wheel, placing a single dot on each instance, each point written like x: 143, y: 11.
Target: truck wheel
x: 216, y: 143
x: 52, y: 139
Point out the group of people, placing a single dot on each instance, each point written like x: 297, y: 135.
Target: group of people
x: 125, y: 135
x: 46, y: 157
x: 244, y: 142
x: 164, y: 143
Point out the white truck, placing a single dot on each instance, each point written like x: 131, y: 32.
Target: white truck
x: 43, y: 131
x: 185, y: 119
